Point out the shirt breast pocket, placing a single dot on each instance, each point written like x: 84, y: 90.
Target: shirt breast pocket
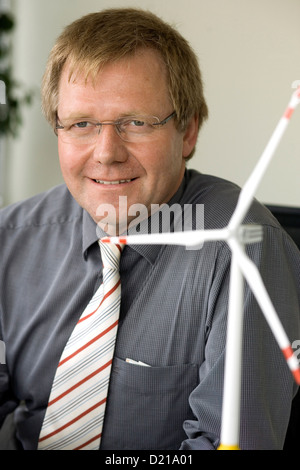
x: 147, y: 406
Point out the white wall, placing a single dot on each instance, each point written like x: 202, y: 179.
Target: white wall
x: 249, y: 55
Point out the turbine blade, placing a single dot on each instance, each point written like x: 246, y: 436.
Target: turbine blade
x: 188, y: 238
x: 253, y: 277
x: 249, y: 189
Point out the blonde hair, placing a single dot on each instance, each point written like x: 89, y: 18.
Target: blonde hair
x: 99, y: 38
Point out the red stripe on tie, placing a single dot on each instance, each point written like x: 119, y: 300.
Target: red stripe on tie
x: 112, y: 290
x: 88, y: 377
x: 73, y: 420
x: 88, y: 442
x: 86, y: 345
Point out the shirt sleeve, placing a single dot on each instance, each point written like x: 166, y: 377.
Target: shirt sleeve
x: 268, y: 386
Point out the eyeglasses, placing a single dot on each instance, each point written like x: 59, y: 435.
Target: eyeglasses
x: 130, y: 129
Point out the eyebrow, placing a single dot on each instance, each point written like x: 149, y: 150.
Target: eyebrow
x: 73, y: 117
x: 77, y: 117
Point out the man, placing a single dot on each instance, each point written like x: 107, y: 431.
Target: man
x: 123, y: 92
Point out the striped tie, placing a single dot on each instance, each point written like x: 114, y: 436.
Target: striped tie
x: 76, y: 407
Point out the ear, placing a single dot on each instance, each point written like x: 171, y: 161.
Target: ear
x: 190, y: 136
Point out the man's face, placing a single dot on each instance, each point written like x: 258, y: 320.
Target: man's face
x: 147, y: 172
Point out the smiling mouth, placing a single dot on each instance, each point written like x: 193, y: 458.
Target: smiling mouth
x: 114, y: 182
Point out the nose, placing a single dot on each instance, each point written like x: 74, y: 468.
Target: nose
x: 109, y: 147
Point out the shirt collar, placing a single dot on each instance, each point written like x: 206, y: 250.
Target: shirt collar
x: 91, y: 232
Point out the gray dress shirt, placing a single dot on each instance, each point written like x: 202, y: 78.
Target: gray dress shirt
x: 173, y: 318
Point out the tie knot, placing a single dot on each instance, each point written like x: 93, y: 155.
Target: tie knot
x: 110, y: 254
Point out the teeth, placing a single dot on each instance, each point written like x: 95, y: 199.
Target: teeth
x: 113, y: 182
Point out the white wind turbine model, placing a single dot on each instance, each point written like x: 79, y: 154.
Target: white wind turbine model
x: 237, y: 236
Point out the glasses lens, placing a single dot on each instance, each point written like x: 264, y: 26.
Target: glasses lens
x: 136, y: 128
x: 129, y: 129
x: 78, y: 132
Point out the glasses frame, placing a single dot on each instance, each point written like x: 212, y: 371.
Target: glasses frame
x: 117, y: 123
